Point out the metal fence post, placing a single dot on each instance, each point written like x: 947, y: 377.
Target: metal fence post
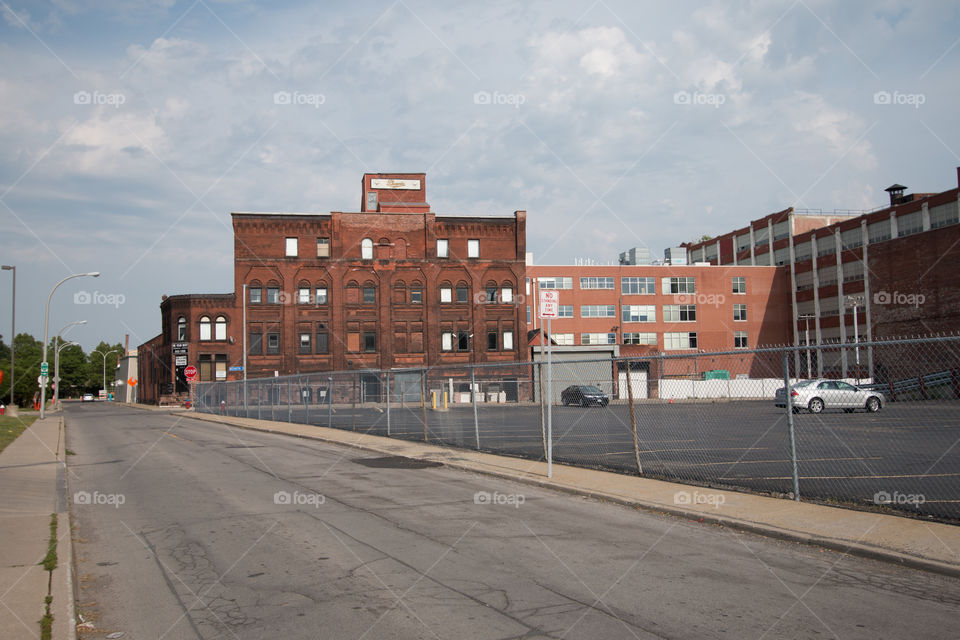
x: 793, y: 439
x: 633, y: 420
x: 473, y: 397
x: 305, y: 393
x: 330, y: 402
x: 353, y: 410
x: 388, y: 403
x: 543, y: 410
x: 259, y: 400
x: 289, y: 404
x: 423, y: 401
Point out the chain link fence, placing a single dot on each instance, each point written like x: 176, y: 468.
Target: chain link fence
x: 873, y: 425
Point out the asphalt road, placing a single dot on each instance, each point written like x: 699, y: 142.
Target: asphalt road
x: 187, y: 529
x: 909, y: 451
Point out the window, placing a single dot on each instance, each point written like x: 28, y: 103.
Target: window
x: 640, y: 338
x: 256, y: 343
x: 321, y: 297
x: 446, y: 341
x: 565, y: 311
x: 563, y: 339
x: 463, y: 341
x: 641, y: 285
x: 679, y: 313
x: 679, y: 285
x: 679, y: 341
x: 473, y: 248
x: 739, y: 339
x: 416, y: 295
x: 273, y: 343
x: 944, y: 215
x: 181, y: 328
x: 220, y: 329
x: 491, y: 294
x: 555, y: 283
x: 256, y: 295
x: 506, y: 294
x: 596, y: 283
x: 369, y: 342
x: 738, y: 285
x: 206, y: 367
x: 598, y: 338
x: 740, y: 313
x: 851, y: 238
x: 220, y: 366
x: 459, y: 340
x: 909, y: 224
x: 323, y: 342
x: 878, y: 231
x: 205, y: 328
x: 303, y: 295
x: 291, y: 247
x: 508, y: 340
x: 598, y: 311
x: 446, y: 294
x: 493, y: 340
x: 443, y: 248
x: 273, y: 295
x: 323, y: 247
x: 366, y: 249
x: 639, y: 313
x: 369, y: 295
x: 803, y: 252
x: 529, y: 315
x: 304, y: 342
x: 463, y: 294
x: 826, y: 246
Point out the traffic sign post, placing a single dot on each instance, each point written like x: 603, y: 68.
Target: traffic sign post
x: 45, y: 369
x: 190, y: 373
x: 549, y: 309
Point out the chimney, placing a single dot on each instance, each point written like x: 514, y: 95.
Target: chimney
x: 126, y: 344
x: 896, y: 194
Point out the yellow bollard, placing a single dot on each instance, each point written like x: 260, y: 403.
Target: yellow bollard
x: 433, y: 396
x: 445, y: 400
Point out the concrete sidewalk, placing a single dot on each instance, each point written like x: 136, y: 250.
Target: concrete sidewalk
x: 917, y: 543
x: 32, y: 488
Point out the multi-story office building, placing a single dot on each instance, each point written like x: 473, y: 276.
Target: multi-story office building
x: 393, y: 285
x: 877, y: 274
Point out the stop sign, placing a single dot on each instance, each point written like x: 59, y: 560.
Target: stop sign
x: 190, y: 372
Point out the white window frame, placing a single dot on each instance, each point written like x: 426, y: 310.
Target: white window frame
x: 291, y: 248
x: 446, y: 295
x: 507, y: 341
x: 443, y: 248
x: 473, y: 248
x: 366, y: 249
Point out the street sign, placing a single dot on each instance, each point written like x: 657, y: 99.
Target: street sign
x: 190, y: 372
x: 549, y: 304
x: 44, y: 369
x: 180, y: 361
x: 236, y: 368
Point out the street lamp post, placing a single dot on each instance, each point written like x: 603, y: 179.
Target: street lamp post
x: 13, y: 327
x: 46, y: 336
x: 807, y: 317
x: 856, y: 301
x: 56, y: 371
x: 56, y: 361
x: 104, y: 356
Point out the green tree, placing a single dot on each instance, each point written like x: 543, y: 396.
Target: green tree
x: 29, y: 354
x: 74, y: 371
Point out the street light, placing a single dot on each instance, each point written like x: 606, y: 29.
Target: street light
x: 808, y: 318
x: 856, y: 301
x: 13, y: 326
x: 46, y: 337
x: 104, y: 356
x: 56, y: 371
x: 56, y: 361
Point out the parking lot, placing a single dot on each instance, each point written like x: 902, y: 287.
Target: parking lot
x: 906, y: 456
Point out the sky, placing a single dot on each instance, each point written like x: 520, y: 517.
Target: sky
x: 129, y: 130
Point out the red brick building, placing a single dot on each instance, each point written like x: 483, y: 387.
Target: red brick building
x: 891, y: 268
x: 393, y: 285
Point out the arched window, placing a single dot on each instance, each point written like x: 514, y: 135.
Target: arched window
x: 181, y: 328
x: 220, y: 332
x: 506, y: 293
x: 366, y: 249
x: 205, y: 328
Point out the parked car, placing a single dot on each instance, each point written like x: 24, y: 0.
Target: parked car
x: 87, y: 397
x: 819, y: 394
x: 583, y: 395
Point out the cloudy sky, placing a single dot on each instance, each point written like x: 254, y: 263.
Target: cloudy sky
x: 131, y: 129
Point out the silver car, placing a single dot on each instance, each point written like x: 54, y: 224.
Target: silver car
x: 819, y: 394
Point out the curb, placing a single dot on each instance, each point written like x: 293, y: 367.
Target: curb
x: 842, y: 546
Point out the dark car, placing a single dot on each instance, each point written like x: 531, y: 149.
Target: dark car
x: 584, y: 395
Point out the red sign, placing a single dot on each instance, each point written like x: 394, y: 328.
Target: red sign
x: 191, y: 373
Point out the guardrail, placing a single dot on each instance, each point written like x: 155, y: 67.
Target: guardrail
x: 920, y: 383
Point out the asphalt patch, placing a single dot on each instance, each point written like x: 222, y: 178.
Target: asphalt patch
x: 397, y: 462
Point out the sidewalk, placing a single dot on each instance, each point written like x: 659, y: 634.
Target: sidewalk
x: 32, y: 488
x: 925, y: 545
